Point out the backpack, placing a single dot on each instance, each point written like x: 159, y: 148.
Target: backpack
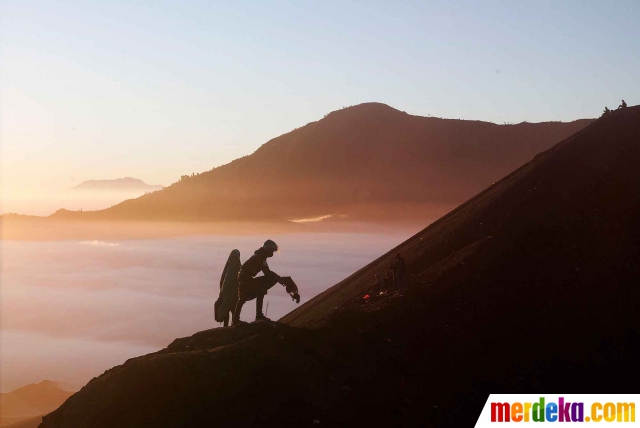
x: 221, y: 300
x: 216, y: 309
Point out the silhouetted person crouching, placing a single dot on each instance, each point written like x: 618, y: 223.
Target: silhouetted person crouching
x: 251, y: 287
x: 623, y: 105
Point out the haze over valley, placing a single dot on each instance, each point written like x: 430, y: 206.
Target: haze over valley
x: 135, y: 296
x: 88, y: 195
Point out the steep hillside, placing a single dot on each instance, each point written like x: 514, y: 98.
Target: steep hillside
x: 568, y: 215
x: 530, y: 286
x: 364, y: 161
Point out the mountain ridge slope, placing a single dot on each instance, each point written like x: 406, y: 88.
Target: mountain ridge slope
x: 530, y: 286
x: 361, y: 161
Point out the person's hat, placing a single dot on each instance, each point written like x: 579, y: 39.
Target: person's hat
x: 270, y: 246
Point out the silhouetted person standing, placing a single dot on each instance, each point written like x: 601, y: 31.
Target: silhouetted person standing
x: 399, y: 271
x: 251, y: 287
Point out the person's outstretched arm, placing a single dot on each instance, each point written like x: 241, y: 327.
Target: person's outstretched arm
x: 267, y: 271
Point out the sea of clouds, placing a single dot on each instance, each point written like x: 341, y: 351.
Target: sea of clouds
x: 72, y: 309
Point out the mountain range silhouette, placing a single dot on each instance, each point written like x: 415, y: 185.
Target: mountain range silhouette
x: 364, y: 161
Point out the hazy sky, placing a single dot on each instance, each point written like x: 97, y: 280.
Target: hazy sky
x: 156, y: 89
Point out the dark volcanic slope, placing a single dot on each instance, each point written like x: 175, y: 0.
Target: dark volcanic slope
x: 355, y: 161
x: 531, y: 286
x: 568, y: 217
x: 261, y: 374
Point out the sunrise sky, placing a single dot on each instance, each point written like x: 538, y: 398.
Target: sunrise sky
x: 158, y: 89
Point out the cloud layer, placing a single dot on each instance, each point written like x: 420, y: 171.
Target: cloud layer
x: 73, y: 309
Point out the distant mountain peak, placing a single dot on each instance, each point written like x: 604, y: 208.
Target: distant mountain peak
x: 369, y: 108
x: 26, y: 405
x: 40, y: 386
x: 125, y: 183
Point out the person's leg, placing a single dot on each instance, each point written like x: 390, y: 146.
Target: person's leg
x: 236, y: 312
x: 264, y: 284
x: 248, y: 289
x: 259, y: 302
x: 268, y: 281
x: 226, y: 320
x: 246, y: 292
